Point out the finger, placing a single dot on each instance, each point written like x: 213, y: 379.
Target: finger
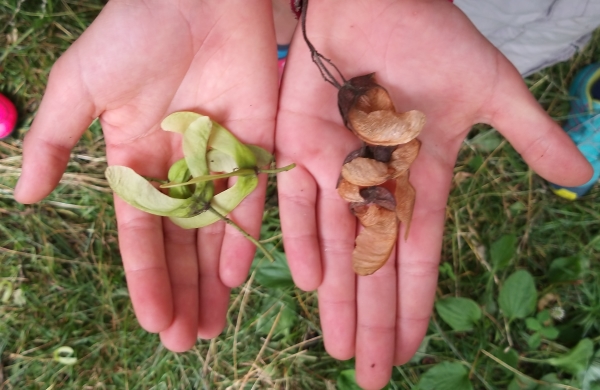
x: 419, y: 255
x: 337, y: 293
x: 64, y: 114
x: 541, y: 142
x: 297, y: 193
x: 213, y: 294
x: 142, y: 250
x: 237, y: 250
x: 182, y: 263
x: 376, y: 326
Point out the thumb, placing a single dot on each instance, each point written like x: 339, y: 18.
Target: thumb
x: 64, y: 114
x: 540, y: 141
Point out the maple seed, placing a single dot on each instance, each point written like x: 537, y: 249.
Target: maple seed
x: 390, y: 147
x: 403, y: 157
x: 349, y: 192
x: 375, y: 242
x: 369, y: 112
x: 365, y: 172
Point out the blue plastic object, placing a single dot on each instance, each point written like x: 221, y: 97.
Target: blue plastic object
x: 583, y: 126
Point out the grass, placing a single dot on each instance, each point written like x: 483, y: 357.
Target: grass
x: 62, y: 284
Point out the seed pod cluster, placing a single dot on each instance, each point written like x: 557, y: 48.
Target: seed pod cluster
x: 389, y: 148
x: 210, y: 152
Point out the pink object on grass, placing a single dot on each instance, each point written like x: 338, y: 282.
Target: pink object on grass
x: 8, y: 116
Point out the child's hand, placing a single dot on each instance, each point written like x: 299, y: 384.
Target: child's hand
x: 138, y: 62
x: 431, y: 58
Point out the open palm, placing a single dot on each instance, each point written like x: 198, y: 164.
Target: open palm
x: 429, y: 57
x: 138, y: 62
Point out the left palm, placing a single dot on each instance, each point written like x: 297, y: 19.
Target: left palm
x: 139, y: 61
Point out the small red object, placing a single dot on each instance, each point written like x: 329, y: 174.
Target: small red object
x: 8, y: 116
x: 296, y: 6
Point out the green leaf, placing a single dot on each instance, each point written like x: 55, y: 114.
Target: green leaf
x: 591, y: 379
x: 577, y: 360
x: 475, y: 163
x: 517, y: 207
x: 346, y: 380
x: 487, y: 142
x: 446, y: 376
x: 446, y: 269
x: 518, y: 296
x: 533, y: 324
x: 543, y: 316
x: 550, y: 378
x: 534, y: 340
x: 503, y: 250
x: 274, y: 274
x: 510, y: 357
x: 460, y: 313
x: 273, y: 304
x: 550, y: 333
x: 522, y: 383
x: 568, y: 269
x: 224, y: 202
x: 139, y: 193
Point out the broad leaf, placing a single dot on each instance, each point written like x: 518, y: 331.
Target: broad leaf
x: 487, y: 142
x: 446, y: 376
x: 510, y: 357
x: 533, y: 324
x: 139, y: 193
x: 550, y: 332
x: 460, y: 313
x: 534, y: 340
x: 276, y: 274
x: 518, y: 296
x: 577, y: 360
x: 503, y: 250
x: 272, y: 305
x: 568, y: 269
x: 549, y: 378
x: 522, y: 383
x: 347, y: 381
